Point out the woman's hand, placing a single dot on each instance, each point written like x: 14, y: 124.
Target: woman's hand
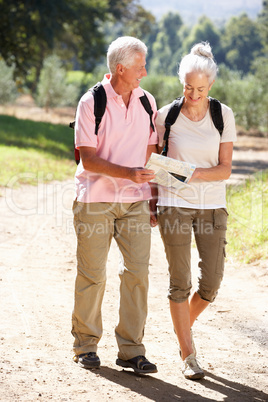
x: 152, y: 204
x: 153, y: 212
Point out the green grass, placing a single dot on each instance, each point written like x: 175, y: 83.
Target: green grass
x: 33, y: 151
x: 247, y: 233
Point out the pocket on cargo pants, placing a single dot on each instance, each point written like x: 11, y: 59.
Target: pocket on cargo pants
x: 220, y: 218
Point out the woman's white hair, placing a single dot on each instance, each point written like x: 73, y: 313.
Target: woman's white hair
x: 123, y: 51
x: 200, y: 59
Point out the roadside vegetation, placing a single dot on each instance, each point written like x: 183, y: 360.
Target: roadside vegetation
x: 247, y: 205
x: 31, y: 152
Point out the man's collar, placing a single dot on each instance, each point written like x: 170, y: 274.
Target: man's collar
x: 110, y: 92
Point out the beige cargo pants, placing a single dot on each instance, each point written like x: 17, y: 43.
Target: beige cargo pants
x: 95, y: 225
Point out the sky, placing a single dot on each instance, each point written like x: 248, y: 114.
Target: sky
x: 191, y: 10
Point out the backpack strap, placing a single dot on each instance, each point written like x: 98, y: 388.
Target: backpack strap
x: 100, y: 100
x: 171, y: 117
x: 148, y: 108
x: 216, y: 114
x: 173, y: 113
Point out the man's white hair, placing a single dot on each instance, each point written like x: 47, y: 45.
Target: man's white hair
x: 123, y: 51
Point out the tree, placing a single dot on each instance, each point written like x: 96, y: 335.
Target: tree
x: 8, y: 89
x: 26, y: 31
x: 31, y: 29
x: 241, y: 42
x: 167, y: 48
x: 205, y: 31
x: 262, y: 23
x: 52, y: 89
x: 137, y: 22
x: 259, y: 65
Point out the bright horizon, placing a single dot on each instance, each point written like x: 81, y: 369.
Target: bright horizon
x: 191, y: 10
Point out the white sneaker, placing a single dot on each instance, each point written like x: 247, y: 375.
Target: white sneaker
x: 191, y: 368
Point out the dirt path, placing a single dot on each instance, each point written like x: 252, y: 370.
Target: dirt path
x: 37, y: 272
x: 37, y: 278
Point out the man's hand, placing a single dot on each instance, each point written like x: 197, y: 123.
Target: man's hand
x: 141, y: 175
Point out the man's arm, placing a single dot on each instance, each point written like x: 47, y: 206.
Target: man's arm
x: 95, y: 164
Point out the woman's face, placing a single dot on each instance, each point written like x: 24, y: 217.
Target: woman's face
x: 196, y: 88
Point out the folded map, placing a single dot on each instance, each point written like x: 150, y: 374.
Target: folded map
x: 170, y: 172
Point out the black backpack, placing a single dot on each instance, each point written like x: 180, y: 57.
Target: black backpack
x: 100, y: 100
x: 174, y: 111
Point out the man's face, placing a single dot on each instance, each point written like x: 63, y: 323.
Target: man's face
x: 131, y: 76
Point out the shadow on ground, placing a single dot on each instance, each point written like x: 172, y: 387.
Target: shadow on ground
x: 161, y: 391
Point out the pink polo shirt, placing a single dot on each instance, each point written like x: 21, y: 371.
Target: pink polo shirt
x: 123, y: 137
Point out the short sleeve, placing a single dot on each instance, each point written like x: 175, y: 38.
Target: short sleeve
x: 85, y: 122
x: 229, y: 131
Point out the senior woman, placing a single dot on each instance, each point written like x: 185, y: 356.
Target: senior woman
x: 194, y: 138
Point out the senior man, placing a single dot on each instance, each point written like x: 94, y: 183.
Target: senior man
x: 112, y: 194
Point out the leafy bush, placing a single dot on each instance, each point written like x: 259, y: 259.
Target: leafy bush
x: 8, y: 89
x: 78, y: 77
x: 53, y: 89
x: 247, y: 205
x: 84, y: 81
x: 247, y: 96
x: 249, y: 103
x: 164, y: 88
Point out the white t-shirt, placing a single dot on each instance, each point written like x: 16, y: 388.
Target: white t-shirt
x: 197, y: 143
